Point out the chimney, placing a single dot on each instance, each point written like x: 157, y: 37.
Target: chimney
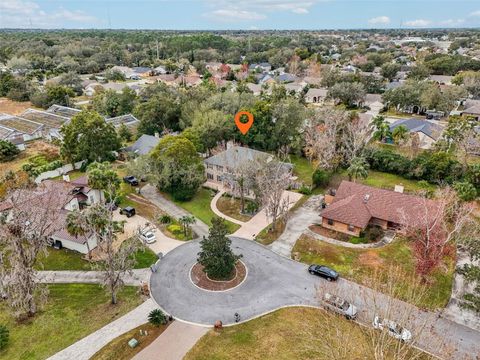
x: 399, y: 189
x: 365, y: 198
x: 66, y: 178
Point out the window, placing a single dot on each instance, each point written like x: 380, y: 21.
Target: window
x: 330, y: 222
x: 209, y: 166
x: 219, y: 168
x: 219, y: 178
x: 209, y: 176
x: 351, y: 228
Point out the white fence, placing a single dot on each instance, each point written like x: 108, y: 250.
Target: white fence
x: 58, y: 172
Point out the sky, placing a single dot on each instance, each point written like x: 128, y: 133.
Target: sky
x: 238, y: 14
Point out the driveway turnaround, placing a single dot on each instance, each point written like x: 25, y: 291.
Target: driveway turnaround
x: 274, y: 281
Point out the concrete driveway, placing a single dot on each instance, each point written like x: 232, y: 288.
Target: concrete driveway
x: 274, y: 281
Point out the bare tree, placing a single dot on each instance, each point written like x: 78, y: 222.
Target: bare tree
x: 24, y: 235
x: 116, y: 259
x: 273, y: 177
x: 435, y: 224
x: 355, y: 135
x: 381, y: 299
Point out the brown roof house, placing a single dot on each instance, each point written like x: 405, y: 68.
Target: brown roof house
x: 355, y: 206
x: 62, y: 197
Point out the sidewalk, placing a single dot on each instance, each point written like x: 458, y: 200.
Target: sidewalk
x: 138, y: 277
x: 260, y: 221
x: 173, y: 343
x: 85, y: 348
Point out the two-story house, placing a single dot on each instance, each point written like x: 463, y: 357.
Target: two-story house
x: 221, y: 168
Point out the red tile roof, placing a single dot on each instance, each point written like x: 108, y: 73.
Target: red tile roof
x: 355, y: 204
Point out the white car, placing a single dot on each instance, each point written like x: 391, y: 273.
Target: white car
x: 340, y: 306
x: 392, y: 327
x: 148, y: 237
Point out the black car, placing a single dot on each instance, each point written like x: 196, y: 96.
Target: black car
x: 323, y: 271
x: 132, y: 180
x: 127, y: 211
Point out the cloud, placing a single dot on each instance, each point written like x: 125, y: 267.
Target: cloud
x: 26, y: 14
x: 243, y: 10
x: 235, y: 14
x: 418, y: 23
x: 451, y: 22
x: 380, y: 20
x: 475, y: 13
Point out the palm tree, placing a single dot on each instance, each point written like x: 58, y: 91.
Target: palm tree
x: 358, y: 169
x: 382, y: 128
x: 400, y: 134
x: 75, y: 227
x: 186, y: 221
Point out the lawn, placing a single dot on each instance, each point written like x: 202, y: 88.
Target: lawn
x: 199, y: 207
x: 65, y: 259
x: 382, y: 180
x: 118, y: 348
x: 72, y: 312
x: 302, y: 168
x: 290, y: 333
x: 359, y: 265
x: 231, y: 206
x: 74, y: 175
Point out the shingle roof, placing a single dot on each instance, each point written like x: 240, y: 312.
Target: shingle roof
x: 143, y: 145
x: 355, y: 204
x: 428, y: 128
x: 322, y: 92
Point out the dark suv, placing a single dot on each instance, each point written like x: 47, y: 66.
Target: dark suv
x: 132, y: 180
x: 127, y: 211
x: 323, y: 271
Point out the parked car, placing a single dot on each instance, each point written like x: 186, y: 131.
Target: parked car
x: 132, y: 180
x: 340, y: 306
x: 392, y: 327
x: 323, y: 271
x: 148, y: 236
x: 127, y: 211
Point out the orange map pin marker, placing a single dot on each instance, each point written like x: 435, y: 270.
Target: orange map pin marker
x: 243, y: 127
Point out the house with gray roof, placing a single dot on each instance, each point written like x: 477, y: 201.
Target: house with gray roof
x: 316, y: 96
x: 428, y: 131
x: 222, y: 167
x: 471, y: 109
x: 143, y: 145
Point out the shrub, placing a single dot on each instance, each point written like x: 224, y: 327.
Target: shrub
x: 156, y: 317
x: 175, y: 229
x: 4, y: 337
x: 305, y: 190
x: 373, y: 233
x: 165, y: 219
x: 320, y: 178
x: 465, y: 190
x: 251, y: 207
x: 7, y: 151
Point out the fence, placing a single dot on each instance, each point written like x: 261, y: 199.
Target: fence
x: 58, y: 172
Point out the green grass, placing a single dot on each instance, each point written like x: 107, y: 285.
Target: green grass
x: 383, y: 180
x: 292, y: 333
x: 302, y: 168
x: 118, y: 348
x: 74, y: 175
x: 359, y: 265
x: 65, y: 259
x: 199, y: 207
x: 72, y: 312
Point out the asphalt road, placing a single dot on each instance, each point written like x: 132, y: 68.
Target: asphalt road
x: 274, y: 281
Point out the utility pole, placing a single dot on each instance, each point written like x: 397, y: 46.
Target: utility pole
x: 158, y: 56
